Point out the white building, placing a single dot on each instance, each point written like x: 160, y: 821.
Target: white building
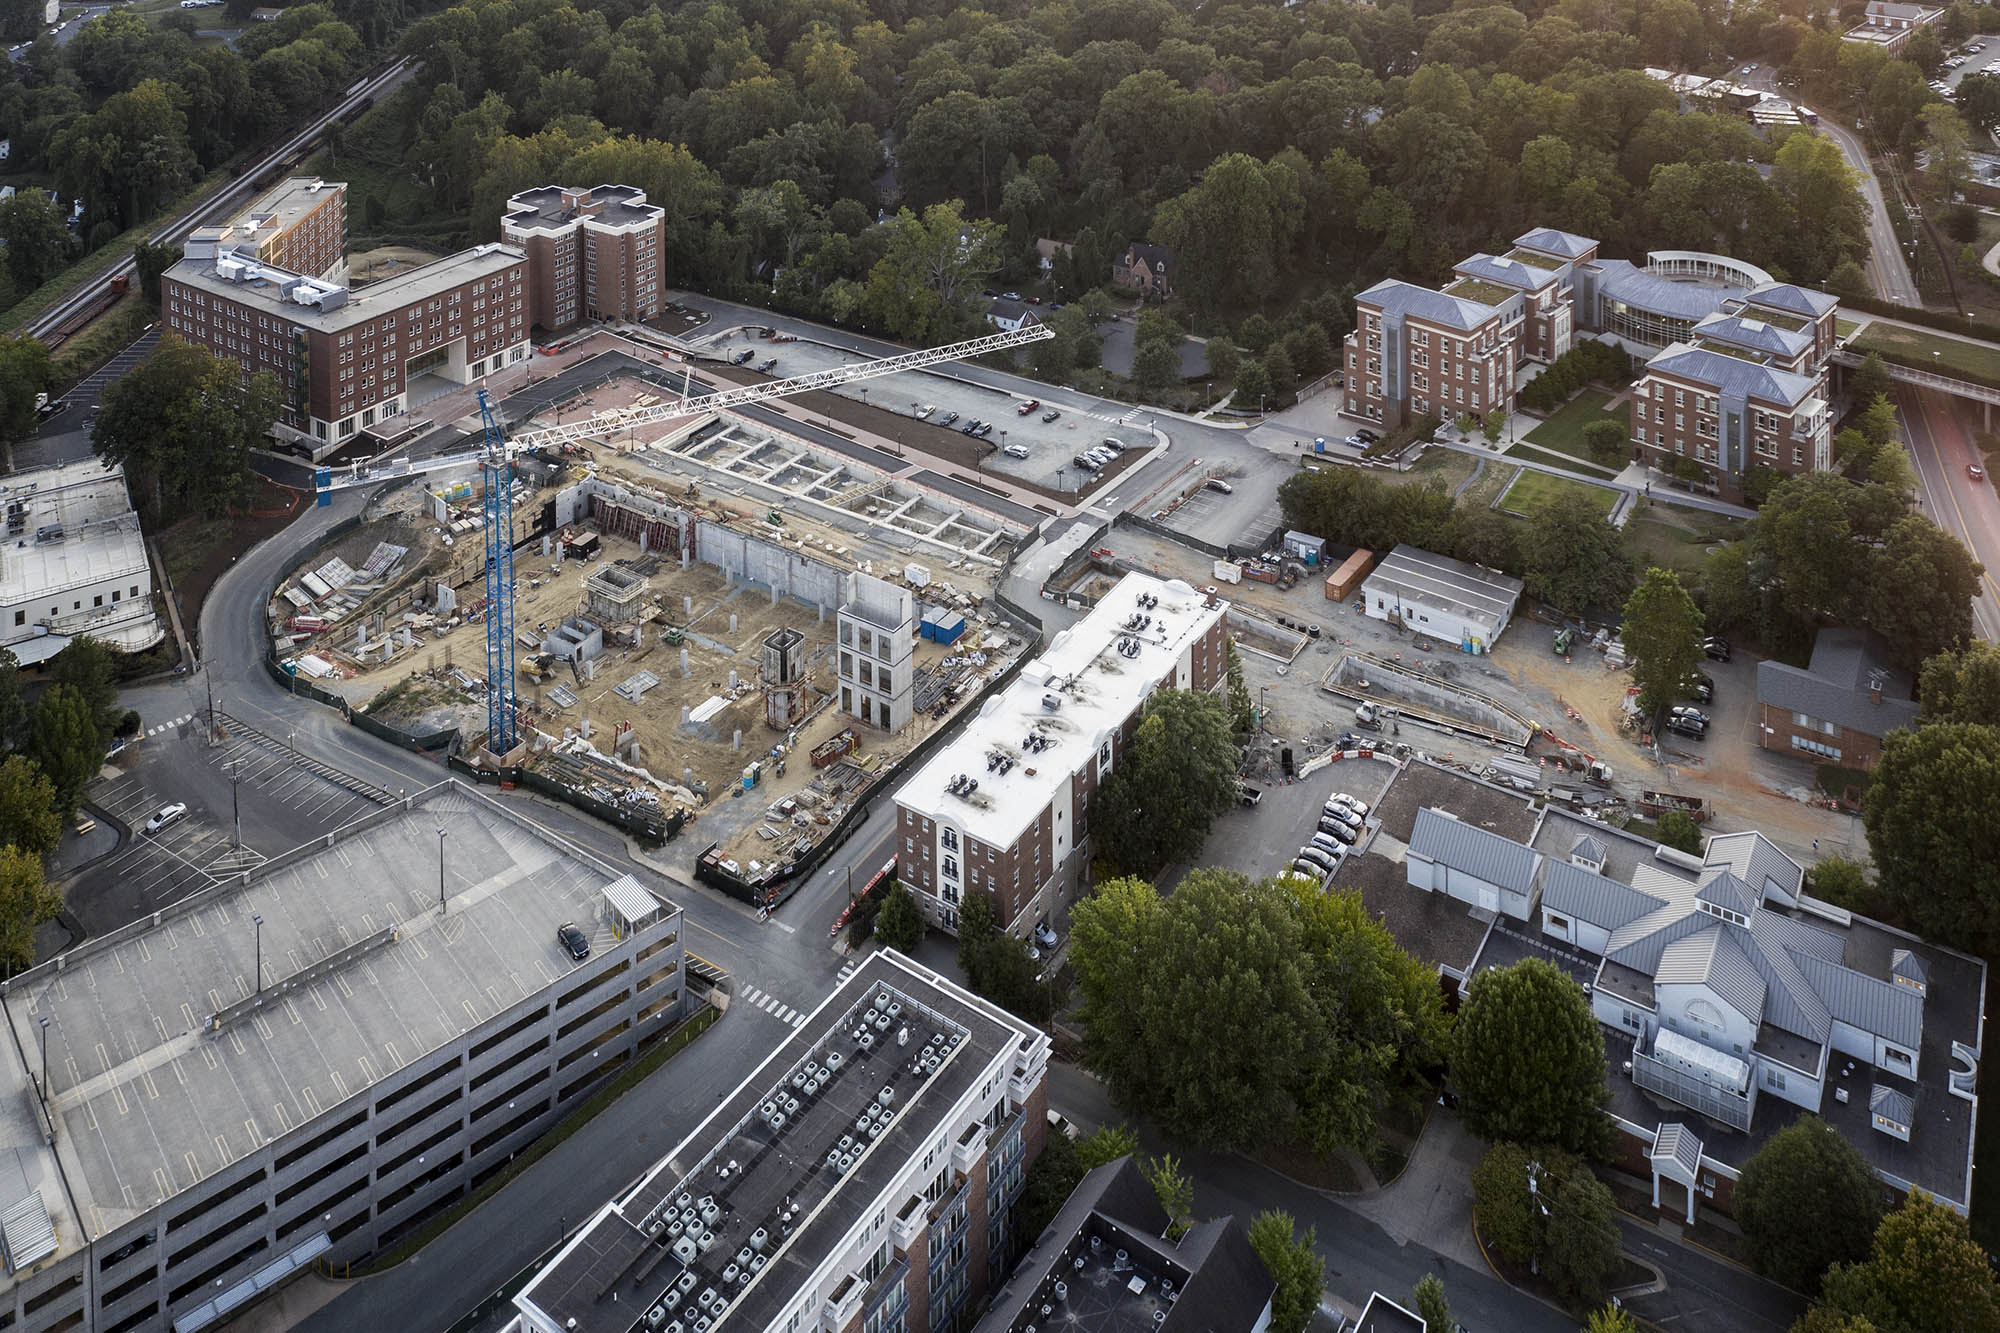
x: 74, y: 563
x: 1449, y: 600
x: 878, y: 642
x: 1005, y: 809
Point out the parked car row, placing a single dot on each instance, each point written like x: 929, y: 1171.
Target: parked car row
x: 1341, y: 823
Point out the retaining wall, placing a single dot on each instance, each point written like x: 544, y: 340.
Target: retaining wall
x: 1422, y: 697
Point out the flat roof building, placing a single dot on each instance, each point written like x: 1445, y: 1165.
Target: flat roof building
x: 298, y: 224
x: 73, y: 563
x: 1005, y: 808
x: 598, y: 253
x: 309, y: 1059
x: 1105, y: 1264
x: 862, y: 1177
x: 348, y: 359
x: 1450, y: 600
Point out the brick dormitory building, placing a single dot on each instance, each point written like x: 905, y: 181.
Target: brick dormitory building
x: 268, y: 290
x: 1736, y: 362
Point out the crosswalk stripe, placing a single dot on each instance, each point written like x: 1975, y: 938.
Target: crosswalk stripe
x: 751, y: 993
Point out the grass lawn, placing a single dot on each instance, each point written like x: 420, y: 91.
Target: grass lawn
x: 1547, y: 459
x: 1563, y: 431
x: 1533, y: 489
x: 1447, y: 467
x: 1657, y: 542
x: 1977, y: 361
x: 1846, y: 327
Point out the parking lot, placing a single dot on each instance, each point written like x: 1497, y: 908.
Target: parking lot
x: 1263, y: 839
x: 1247, y: 512
x: 1051, y: 445
x: 283, y: 801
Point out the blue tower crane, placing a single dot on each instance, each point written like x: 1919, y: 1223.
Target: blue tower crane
x: 498, y: 473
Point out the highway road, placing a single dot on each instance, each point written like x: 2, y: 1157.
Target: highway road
x: 1940, y: 431
x: 372, y: 86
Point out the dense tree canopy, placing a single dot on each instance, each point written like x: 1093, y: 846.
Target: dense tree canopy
x: 1926, y: 813
x: 1237, y: 1012
x: 1924, y: 1274
x: 1527, y: 1059
x: 182, y: 422
x: 1177, y: 773
x: 1807, y: 1200
x: 1662, y: 633
x: 1542, y: 1204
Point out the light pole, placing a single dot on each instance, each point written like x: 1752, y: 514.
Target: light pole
x: 259, y: 922
x: 1003, y: 441
x: 441, y: 868
x: 864, y: 395
x: 236, y: 810
x: 45, y: 1064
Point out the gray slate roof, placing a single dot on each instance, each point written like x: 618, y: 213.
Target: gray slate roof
x: 1622, y: 280
x: 1835, y: 688
x: 1791, y: 297
x: 1730, y: 375
x: 1552, y: 242
x: 1507, y: 272
x: 1002, y: 308
x: 1473, y: 851
x: 1754, y: 334
x: 1394, y: 296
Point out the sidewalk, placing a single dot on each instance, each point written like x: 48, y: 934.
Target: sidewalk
x: 1431, y: 1202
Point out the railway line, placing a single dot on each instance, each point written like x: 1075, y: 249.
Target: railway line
x: 67, y: 316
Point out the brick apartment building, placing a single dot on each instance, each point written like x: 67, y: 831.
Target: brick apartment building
x: 1738, y: 379
x: 349, y: 359
x: 1748, y: 388
x: 1006, y: 808
x: 862, y: 1178
x: 1839, y: 707
x: 592, y: 254
x: 299, y: 224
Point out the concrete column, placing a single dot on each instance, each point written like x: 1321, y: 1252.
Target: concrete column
x: 684, y: 665
x: 737, y: 744
x: 1690, y: 1220
x: 687, y: 605
x: 732, y: 682
x: 1656, y: 1187
x: 642, y: 541
x: 732, y: 622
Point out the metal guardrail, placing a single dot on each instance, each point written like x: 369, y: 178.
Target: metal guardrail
x: 1668, y: 1082
x: 1927, y: 379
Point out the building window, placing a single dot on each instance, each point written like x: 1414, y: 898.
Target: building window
x: 1774, y: 1078
x: 950, y: 839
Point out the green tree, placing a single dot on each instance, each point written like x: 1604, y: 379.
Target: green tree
x: 1803, y: 547
x: 26, y: 901
x: 1294, y: 1262
x: 90, y: 667
x: 1844, y: 883
x: 24, y: 376
x: 1605, y: 440
x: 1871, y: 381
x: 1223, y: 358
x: 900, y: 923
x: 37, y: 238
x: 1106, y: 1144
x: 1195, y: 1011
x: 1543, y: 1205
x: 997, y: 965
x: 1432, y: 1307
x: 27, y: 807
x: 1662, y: 632
x: 1920, y: 586
x: 1807, y: 1200
x: 13, y: 704
x: 1572, y: 557
x: 1178, y: 772
x: 1256, y: 335
x: 1156, y: 367
x: 1242, y: 714
x: 1924, y: 1274
x: 152, y: 260
x: 923, y: 286
x: 1679, y: 831
x: 182, y: 422
x: 1527, y: 1059
x: 1610, y: 1319
x: 1174, y: 1188
x: 1232, y: 232
x: 1052, y: 1178
x: 1925, y: 813
x: 66, y: 743
x: 1253, y: 387
x: 1962, y: 686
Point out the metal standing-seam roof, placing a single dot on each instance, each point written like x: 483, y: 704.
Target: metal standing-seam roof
x: 1880, y: 1008
x: 1508, y: 272
x: 1623, y: 281
x: 1406, y: 298
x: 1732, y: 375
x: 1598, y: 899
x: 1743, y: 331
x: 1473, y: 851
x: 30, y: 1236
x: 1892, y: 1104
x: 1713, y: 959
x: 1674, y: 1143
x: 1552, y: 242
x: 1417, y: 576
x: 1589, y: 848
x: 1798, y: 936
x: 1790, y: 1002
x: 1720, y: 887
x: 1758, y: 862
x: 631, y: 900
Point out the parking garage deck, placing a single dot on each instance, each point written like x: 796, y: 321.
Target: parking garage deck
x: 164, y: 1068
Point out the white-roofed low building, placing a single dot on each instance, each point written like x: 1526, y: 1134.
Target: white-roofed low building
x: 1464, y: 605
x: 1005, y: 808
x: 74, y: 563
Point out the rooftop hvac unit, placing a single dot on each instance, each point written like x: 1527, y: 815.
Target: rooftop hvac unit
x: 684, y: 1250
x: 886, y: 1096
x: 1062, y: 1291
x: 672, y: 1299
x: 685, y: 1284
x: 758, y: 1237
x: 1052, y: 702
x: 833, y: 1061
x: 729, y: 1273
x: 778, y: 1122
x: 706, y: 1243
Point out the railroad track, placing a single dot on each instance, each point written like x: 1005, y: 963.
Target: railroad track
x: 70, y: 314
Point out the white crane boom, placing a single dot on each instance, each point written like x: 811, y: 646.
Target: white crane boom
x: 361, y: 474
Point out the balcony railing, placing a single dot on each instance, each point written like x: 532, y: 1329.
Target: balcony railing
x: 1732, y: 1109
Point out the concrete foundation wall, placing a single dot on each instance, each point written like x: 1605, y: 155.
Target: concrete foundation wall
x: 1427, y: 699
x: 749, y: 559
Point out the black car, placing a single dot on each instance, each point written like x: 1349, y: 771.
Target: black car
x: 573, y: 941
x: 1700, y: 687
x: 947, y: 418
x: 969, y: 427
x: 742, y: 357
x: 1367, y: 435
x: 1716, y: 647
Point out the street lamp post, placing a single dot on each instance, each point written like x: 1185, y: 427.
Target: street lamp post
x: 259, y: 922
x: 441, y: 834
x: 45, y: 1063
x: 235, y: 809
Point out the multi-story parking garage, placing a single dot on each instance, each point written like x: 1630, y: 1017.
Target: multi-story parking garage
x: 307, y: 1062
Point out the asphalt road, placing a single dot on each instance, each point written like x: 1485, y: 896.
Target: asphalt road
x: 1940, y: 432
x: 1703, y: 1291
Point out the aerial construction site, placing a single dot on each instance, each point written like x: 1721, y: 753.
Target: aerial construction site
x: 711, y: 617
